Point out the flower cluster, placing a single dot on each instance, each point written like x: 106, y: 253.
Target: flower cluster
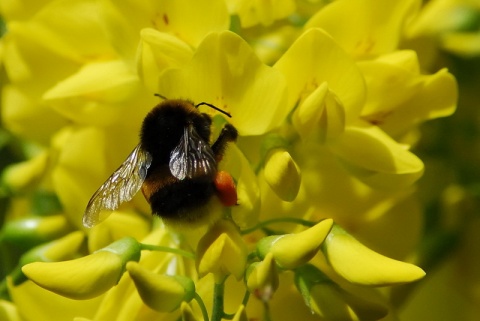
x: 326, y: 98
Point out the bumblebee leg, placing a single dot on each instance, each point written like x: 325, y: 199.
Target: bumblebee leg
x: 228, y: 134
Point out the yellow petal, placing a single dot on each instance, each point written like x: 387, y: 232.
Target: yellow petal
x: 120, y: 224
x: 400, y: 96
x: 95, y: 94
x: 36, y: 303
x: 376, y: 159
x: 248, y: 193
x: 225, y: 72
x: 262, y: 278
x: 78, y: 36
x: 9, y: 311
x: 360, y: 265
x: 133, y: 305
x: 466, y: 44
x: 83, y: 278
x: 315, y: 58
x: 365, y: 27
x: 22, y: 176
x: 263, y: 12
x: 321, y: 116
x: 28, y: 232
x: 333, y: 303
x: 160, y: 292
x: 222, y: 251
x: 157, y: 52
x: 305, y: 243
x: 64, y: 247
x: 20, y: 114
x: 186, y: 20
x: 282, y: 174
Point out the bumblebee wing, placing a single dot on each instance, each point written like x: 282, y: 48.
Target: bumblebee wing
x: 192, y: 157
x: 120, y: 187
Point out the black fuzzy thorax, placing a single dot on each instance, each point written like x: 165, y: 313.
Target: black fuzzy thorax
x: 164, y: 126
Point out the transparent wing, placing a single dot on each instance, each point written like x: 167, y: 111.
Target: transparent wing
x: 192, y: 157
x: 120, y: 187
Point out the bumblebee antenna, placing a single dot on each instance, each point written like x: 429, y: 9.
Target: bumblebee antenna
x: 160, y: 96
x: 214, y: 107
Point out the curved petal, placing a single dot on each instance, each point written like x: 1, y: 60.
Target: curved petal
x: 376, y: 159
x: 37, y: 303
x: 315, y: 58
x: 365, y: 27
x: 96, y: 93
x: 157, y: 52
x: 188, y: 21
x: 225, y: 72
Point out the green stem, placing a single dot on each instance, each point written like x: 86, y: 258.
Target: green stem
x: 266, y: 312
x: 218, y: 293
x: 167, y: 249
x: 246, y: 297
x: 201, y: 304
x: 279, y: 220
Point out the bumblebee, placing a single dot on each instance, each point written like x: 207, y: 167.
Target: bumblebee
x: 174, y: 165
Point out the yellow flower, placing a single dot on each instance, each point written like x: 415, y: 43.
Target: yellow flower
x: 282, y: 174
x: 8, y: 311
x: 365, y: 28
x: 305, y: 243
x: 161, y: 292
x: 222, y: 251
x: 23, y: 176
x: 369, y: 267
x: 220, y: 71
x: 88, y: 276
x: 327, y: 108
x: 262, y: 278
x: 252, y: 12
x: 63, y: 248
x: 453, y: 23
x: 331, y: 302
x: 28, y: 232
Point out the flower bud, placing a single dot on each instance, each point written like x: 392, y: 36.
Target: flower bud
x: 222, y: 251
x: 88, y: 276
x: 370, y: 268
x: 61, y: 249
x: 29, y: 232
x: 321, y: 115
x: 331, y: 302
x: 293, y: 250
x: 163, y: 293
x: 262, y: 278
x: 21, y: 177
x: 282, y: 174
